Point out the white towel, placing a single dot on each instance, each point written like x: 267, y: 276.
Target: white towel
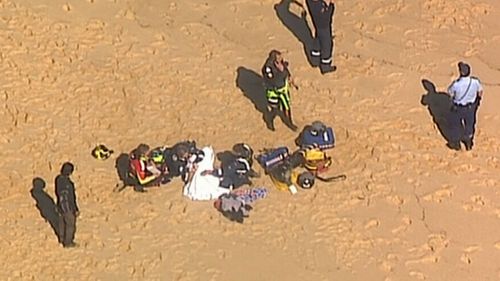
x: 204, y: 187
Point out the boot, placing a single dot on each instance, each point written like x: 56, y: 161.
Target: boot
x: 327, y: 68
x: 468, y: 144
x: 454, y: 146
x: 314, y: 60
x: 70, y: 245
x: 290, y: 124
x: 269, y: 119
x: 139, y: 188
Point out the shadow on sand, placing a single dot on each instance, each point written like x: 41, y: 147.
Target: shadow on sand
x: 438, y: 104
x: 296, y: 24
x: 45, y: 204
x: 251, y: 84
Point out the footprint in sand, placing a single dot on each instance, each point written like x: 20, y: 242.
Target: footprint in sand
x: 67, y: 7
x: 389, y: 263
x: 466, y: 256
x: 396, y: 200
x: 476, y: 204
x: 360, y: 43
x: 417, y: 274
x: 372, y: 223
x: 439, y: 195
x: 398, y: 6
x: 406, y: 221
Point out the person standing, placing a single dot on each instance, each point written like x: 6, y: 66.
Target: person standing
x: 277, y: 80
x: 321, y: 12
x: 466, y: 93
x: 66, y: 205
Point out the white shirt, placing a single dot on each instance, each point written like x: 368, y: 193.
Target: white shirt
x: 464, y: 90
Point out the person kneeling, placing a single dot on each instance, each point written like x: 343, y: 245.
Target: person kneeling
x: 144, y: 169
x: 239, y: 171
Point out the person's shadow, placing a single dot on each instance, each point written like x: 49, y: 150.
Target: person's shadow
x: 45, y: 204
x: 439, y: 105
x: 296, y: 24
x: 252, y: 86
x: 122, y: 165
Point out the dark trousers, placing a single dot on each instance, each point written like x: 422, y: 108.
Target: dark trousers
x: 323, y: 45
x: 462, y: 123
x: 285, y: 115
x: 67, y: 228
x: 234, y: 181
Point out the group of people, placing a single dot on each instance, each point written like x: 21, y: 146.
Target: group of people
x: 276, y: 74
x: 203, y: 181
x: 158, y: 166
x: 465, y: 92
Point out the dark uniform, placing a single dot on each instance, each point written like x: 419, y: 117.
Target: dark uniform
x: 277, y: 91
x: 67, y: 207
x: 235, y: 174
x: 177, y: 157
x: 322, y: 15
x: 175, y: 164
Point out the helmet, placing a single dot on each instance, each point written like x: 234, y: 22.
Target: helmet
x: 101, y: 152
x: 243, y: 150
x: 306, y: 180
x: 157, y: 156
x: 317, y: 127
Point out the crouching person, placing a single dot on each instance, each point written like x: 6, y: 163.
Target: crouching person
x: 232, y: 207
x: 237, y: 172
x: 143, y: 169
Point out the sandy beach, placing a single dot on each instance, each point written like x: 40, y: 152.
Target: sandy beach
x: 80, y: 73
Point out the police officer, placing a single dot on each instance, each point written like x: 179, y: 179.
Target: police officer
x: 466, y: 93
x: 277, y: 80
x: 66, y: 205
x: 321, y: 12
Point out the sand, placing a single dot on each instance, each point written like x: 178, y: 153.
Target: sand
x: 79, y: 73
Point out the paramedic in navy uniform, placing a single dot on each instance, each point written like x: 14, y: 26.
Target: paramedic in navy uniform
x: 466, y: 93
x: 321, y: 12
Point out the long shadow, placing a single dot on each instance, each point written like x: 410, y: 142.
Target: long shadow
x: 45, y: 204
x: 122, y: 167
x: 251, y: 84
x: 438, y: 104
x: 296, y: 24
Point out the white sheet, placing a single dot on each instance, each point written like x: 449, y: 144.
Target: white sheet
x: 204, y: 187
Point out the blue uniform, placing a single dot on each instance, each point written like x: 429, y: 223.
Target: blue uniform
x: 465, y: 96
x: 235, y: 174
x: 322, y: 16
